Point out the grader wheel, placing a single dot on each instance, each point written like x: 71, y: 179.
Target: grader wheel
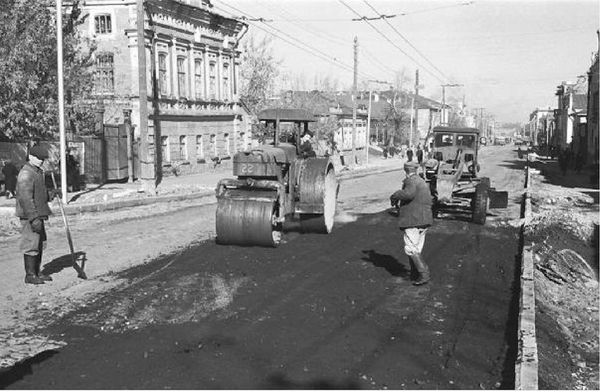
x: 480, y: 203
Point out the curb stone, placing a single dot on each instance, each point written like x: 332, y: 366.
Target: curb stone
x: 526, y: 366
x: 208, y: 195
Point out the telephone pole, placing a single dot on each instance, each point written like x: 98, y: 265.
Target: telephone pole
x: 416, y: 108
x: 148, y: 175
x: 355, y: 97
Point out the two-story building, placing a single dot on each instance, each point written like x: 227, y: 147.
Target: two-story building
x: 192, y: 62
x: 570, y: 114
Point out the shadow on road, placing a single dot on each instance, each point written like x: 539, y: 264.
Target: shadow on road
x: 389, y: 263
x: 279, y: 381
x: 22, y: 369
x: 585, y: 178
x: 65, y: 261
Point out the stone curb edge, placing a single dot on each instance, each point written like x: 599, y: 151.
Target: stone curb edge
x: 526, y: 366
x: 115, y: 205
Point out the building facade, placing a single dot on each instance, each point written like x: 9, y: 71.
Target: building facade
x: 192, y: 64
x: 572, y: 105
x: 540, y: 129
x: 591, y: 138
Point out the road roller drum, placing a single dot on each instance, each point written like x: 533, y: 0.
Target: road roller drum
x: 247, y: 220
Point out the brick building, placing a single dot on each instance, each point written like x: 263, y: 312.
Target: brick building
x: 192, y: 65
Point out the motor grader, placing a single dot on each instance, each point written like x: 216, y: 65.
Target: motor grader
x: 276, y: 184
x: 453, y: 174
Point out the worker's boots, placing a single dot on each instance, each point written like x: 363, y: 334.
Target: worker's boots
x: 422, y: 269
x: 30, y: 275
x: 38, y: 264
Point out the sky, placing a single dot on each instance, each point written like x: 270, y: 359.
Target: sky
x: 508, y: 56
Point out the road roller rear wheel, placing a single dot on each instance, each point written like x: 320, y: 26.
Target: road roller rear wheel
x: 248, y: 222
x: 323, y: 223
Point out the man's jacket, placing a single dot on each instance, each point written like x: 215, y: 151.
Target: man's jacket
x: 415, y: 203
x: 31, y: 194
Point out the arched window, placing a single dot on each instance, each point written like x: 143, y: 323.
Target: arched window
x: 199, y: 147
x: 183, y: 151
x: 198, y: 85
x: 162, y: 74
x: 104, y: 82
x: 225, y: 96
x: 212, y: 75
x: 181, y: 76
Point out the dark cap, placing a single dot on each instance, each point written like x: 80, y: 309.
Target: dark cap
x: 39, y: 152
x: 309, y: 133
x: 412, y: 165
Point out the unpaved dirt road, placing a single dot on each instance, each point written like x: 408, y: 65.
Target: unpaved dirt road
x: 320, y: 311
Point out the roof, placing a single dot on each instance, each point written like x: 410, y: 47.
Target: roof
x: 285, y: 115
x: 456, y: 130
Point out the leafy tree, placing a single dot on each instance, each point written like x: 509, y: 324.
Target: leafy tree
x: 28, y: 68
x: 258, y: 72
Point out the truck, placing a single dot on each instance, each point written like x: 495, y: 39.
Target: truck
x: 453, y: 174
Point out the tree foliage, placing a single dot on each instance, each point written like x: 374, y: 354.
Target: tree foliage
x: 28, y: 68
x: 258, y: 72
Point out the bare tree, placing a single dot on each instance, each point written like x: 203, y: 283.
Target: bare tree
x: 258, y: 73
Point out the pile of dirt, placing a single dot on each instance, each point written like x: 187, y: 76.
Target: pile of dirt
x: 563, y: 231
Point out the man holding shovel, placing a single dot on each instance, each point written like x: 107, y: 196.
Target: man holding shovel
x: 32, y: 208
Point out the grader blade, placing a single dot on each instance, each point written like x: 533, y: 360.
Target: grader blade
x: 498, y: 199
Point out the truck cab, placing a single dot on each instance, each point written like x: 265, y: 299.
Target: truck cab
x: 456, y: 146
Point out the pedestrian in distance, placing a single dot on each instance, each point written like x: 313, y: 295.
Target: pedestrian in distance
x: 10, y: 172
x: 409, y: 155
x: 32, y: 208
x: 419, y: 154
x: 415, y: 216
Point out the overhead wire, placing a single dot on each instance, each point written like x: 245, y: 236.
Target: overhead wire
x: 406, y: 40
x: 337, y: 41
x: 392, y: 42
x: 307, y: 48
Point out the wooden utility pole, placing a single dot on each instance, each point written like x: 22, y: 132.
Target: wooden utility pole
x: 355, y: 97
x: 416, y: 105
x: 61, y: 102
x: 148, y: 175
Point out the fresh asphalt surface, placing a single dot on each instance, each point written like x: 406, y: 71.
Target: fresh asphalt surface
x: 320, y: 311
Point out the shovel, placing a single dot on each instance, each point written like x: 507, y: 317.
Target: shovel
x: 80, y: 273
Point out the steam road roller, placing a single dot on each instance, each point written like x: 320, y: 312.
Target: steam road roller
x: 276, y: 183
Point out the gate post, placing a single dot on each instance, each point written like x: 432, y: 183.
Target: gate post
x: 127, y: 121
x: 99, y: 131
